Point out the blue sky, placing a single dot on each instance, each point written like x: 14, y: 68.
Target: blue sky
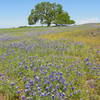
x: 15, y: 12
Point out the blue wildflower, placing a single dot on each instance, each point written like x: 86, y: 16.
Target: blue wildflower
x: 26, y: 90
x: 12, y: 84
x: 24, y: 79
x: 26, y: 67
x: 20, y: 73
x: 46, y: 82
x: 47, y: 88
x: 27, y: 86
x: 31, y: 82
x: 89, y: 63
x: 53, y: 97
x: 23, y: 97
x: 86, y: 59
x: 71, y: 94
x: 17, y: 87
x: 73, y: 88
x: 18, y: 92
x: 50, y: 76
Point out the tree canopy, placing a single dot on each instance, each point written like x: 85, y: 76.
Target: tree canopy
x: 49, y: 13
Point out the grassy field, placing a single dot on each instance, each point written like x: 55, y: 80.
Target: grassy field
x: 50, y: 63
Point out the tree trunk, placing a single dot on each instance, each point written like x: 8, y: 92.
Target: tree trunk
x: 56, y: 25
x: 48, y: 24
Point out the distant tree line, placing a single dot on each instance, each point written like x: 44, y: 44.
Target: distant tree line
x: 49, y: 13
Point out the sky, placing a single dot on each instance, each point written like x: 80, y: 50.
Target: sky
x: 15, y: 12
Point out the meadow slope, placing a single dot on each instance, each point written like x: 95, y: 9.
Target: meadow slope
x: 50, y: 63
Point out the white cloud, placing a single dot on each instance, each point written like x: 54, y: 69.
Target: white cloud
x: 88, y: 20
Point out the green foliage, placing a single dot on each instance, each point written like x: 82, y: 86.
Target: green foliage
x: 48, y: 13
x: 62, y: 18
x: 72, y: 22
x: 33, y: 18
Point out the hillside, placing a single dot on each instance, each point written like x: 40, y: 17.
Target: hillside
x: 50, y: 63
